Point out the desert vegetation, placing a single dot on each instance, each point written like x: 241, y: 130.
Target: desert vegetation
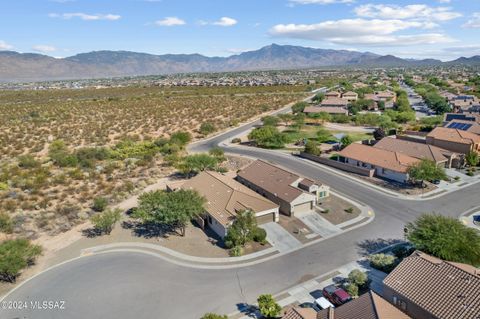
x: 66, y: 155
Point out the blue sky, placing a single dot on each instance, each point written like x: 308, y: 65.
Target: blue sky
x: 442, y: 29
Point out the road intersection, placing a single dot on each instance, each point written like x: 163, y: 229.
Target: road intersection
x: 129, y: 284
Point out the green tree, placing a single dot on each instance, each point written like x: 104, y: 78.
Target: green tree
x: 382, y: 262
x: 268, y: 307
x: 172, y: 209
x: 312, y: 148
x: 299, y: 107
x: 6, y: 223
x: 358, y: 277
x: 270, y: 120
x: 426, y: 170
x: 15, y: 255
x: 446, y: 238
x: 213, y: 316
x: 196, y: 163
x: 346, y: 140
x: 207, y: 128
x: 242, y: 229
x: 319, y: 97
x: 105, y: 221
x: 28, y: 161
x: 472, y: 158
x: 324, y: 135
x: 99, y: 204
x: 286, y: 118
x: 267, y: 137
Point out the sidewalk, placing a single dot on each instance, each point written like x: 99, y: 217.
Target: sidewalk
x: 467, y: 218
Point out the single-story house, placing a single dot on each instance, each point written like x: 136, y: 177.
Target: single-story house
x: 454, y: 140
x: 293, y: 193
x: 325, y: 109
x: 225, y: 199
x: 423, y: 286
x: 367, y: 306
x: 387, y: 164
x: 334, y: 102
x: 332, y: 94
x: 350, y: 96
x: 441, y: 157
x: 386, y: 96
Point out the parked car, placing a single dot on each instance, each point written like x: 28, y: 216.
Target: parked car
x: 336, y: 295
x: 323, y: 303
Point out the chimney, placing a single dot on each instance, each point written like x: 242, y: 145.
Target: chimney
x: 331, y: 313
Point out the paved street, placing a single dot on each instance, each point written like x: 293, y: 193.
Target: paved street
x: 124, y: 285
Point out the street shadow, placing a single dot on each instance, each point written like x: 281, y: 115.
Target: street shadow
x: 370, y: 246
x: 91, y: 232
x: 248, y: 310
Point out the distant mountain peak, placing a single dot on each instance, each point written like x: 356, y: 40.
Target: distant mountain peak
x: 16, y: 66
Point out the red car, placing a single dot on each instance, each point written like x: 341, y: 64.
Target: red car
x: 336, y: 295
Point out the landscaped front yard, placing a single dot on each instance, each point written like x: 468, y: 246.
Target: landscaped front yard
x: 337, y: 210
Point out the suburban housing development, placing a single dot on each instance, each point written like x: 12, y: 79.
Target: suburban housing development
x: 274, y: 159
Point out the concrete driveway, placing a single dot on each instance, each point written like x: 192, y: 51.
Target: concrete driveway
x: 318, y: 224
x: 280, y: 238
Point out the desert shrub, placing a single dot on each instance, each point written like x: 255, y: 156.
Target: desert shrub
x: 312, y: 148
x: 6, y: 223
x: 16, y: 255
x: 207, y: 128
x: 236, y: 140
x: 352, y: 290
x: 383, y: 262
x: 259, y: 235
x: 3, y: 186
x: 99, y: 204
x: 104, y: 222
x: 88, y: 156
x: 127, y: 148
x: 236, y: 251
x: 180, y: 138
x: 28, y: 161
x: 349, y: 210
x: 218, y: 153
x: 213, y: 316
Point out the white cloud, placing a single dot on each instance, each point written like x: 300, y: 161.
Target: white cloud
x: 374, y: 32
x: 320, y: 1
x: 413, y: 12
x: 44, y: 48
x: 86, y: 17
x: 225, y: 22
x: 444, y: 1
x: 474, y: 22
x: 170, y: 22
x: 5, y: 46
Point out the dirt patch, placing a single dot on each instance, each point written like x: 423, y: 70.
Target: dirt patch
x: 296, y: 227
x: 337, y: 210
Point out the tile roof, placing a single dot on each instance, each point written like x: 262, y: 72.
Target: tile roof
x: 445, y: 289
x: 326, y: 109
x: 350, y: 93
x: 413, y: 149
x: 273, y: 179
x: 367, y: 306
x: 300, y: 313
x: 394, y: 161
x: 334, y: 101
x: 226, y: 197
x: 454, y: 135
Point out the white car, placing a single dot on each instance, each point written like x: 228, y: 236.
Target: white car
x: 323, y: 303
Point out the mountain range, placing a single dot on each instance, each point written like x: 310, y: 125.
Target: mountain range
x: 16, y: 66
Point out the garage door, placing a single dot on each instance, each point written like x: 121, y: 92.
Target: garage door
x: 266, y: 218
x: 302, y: 208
